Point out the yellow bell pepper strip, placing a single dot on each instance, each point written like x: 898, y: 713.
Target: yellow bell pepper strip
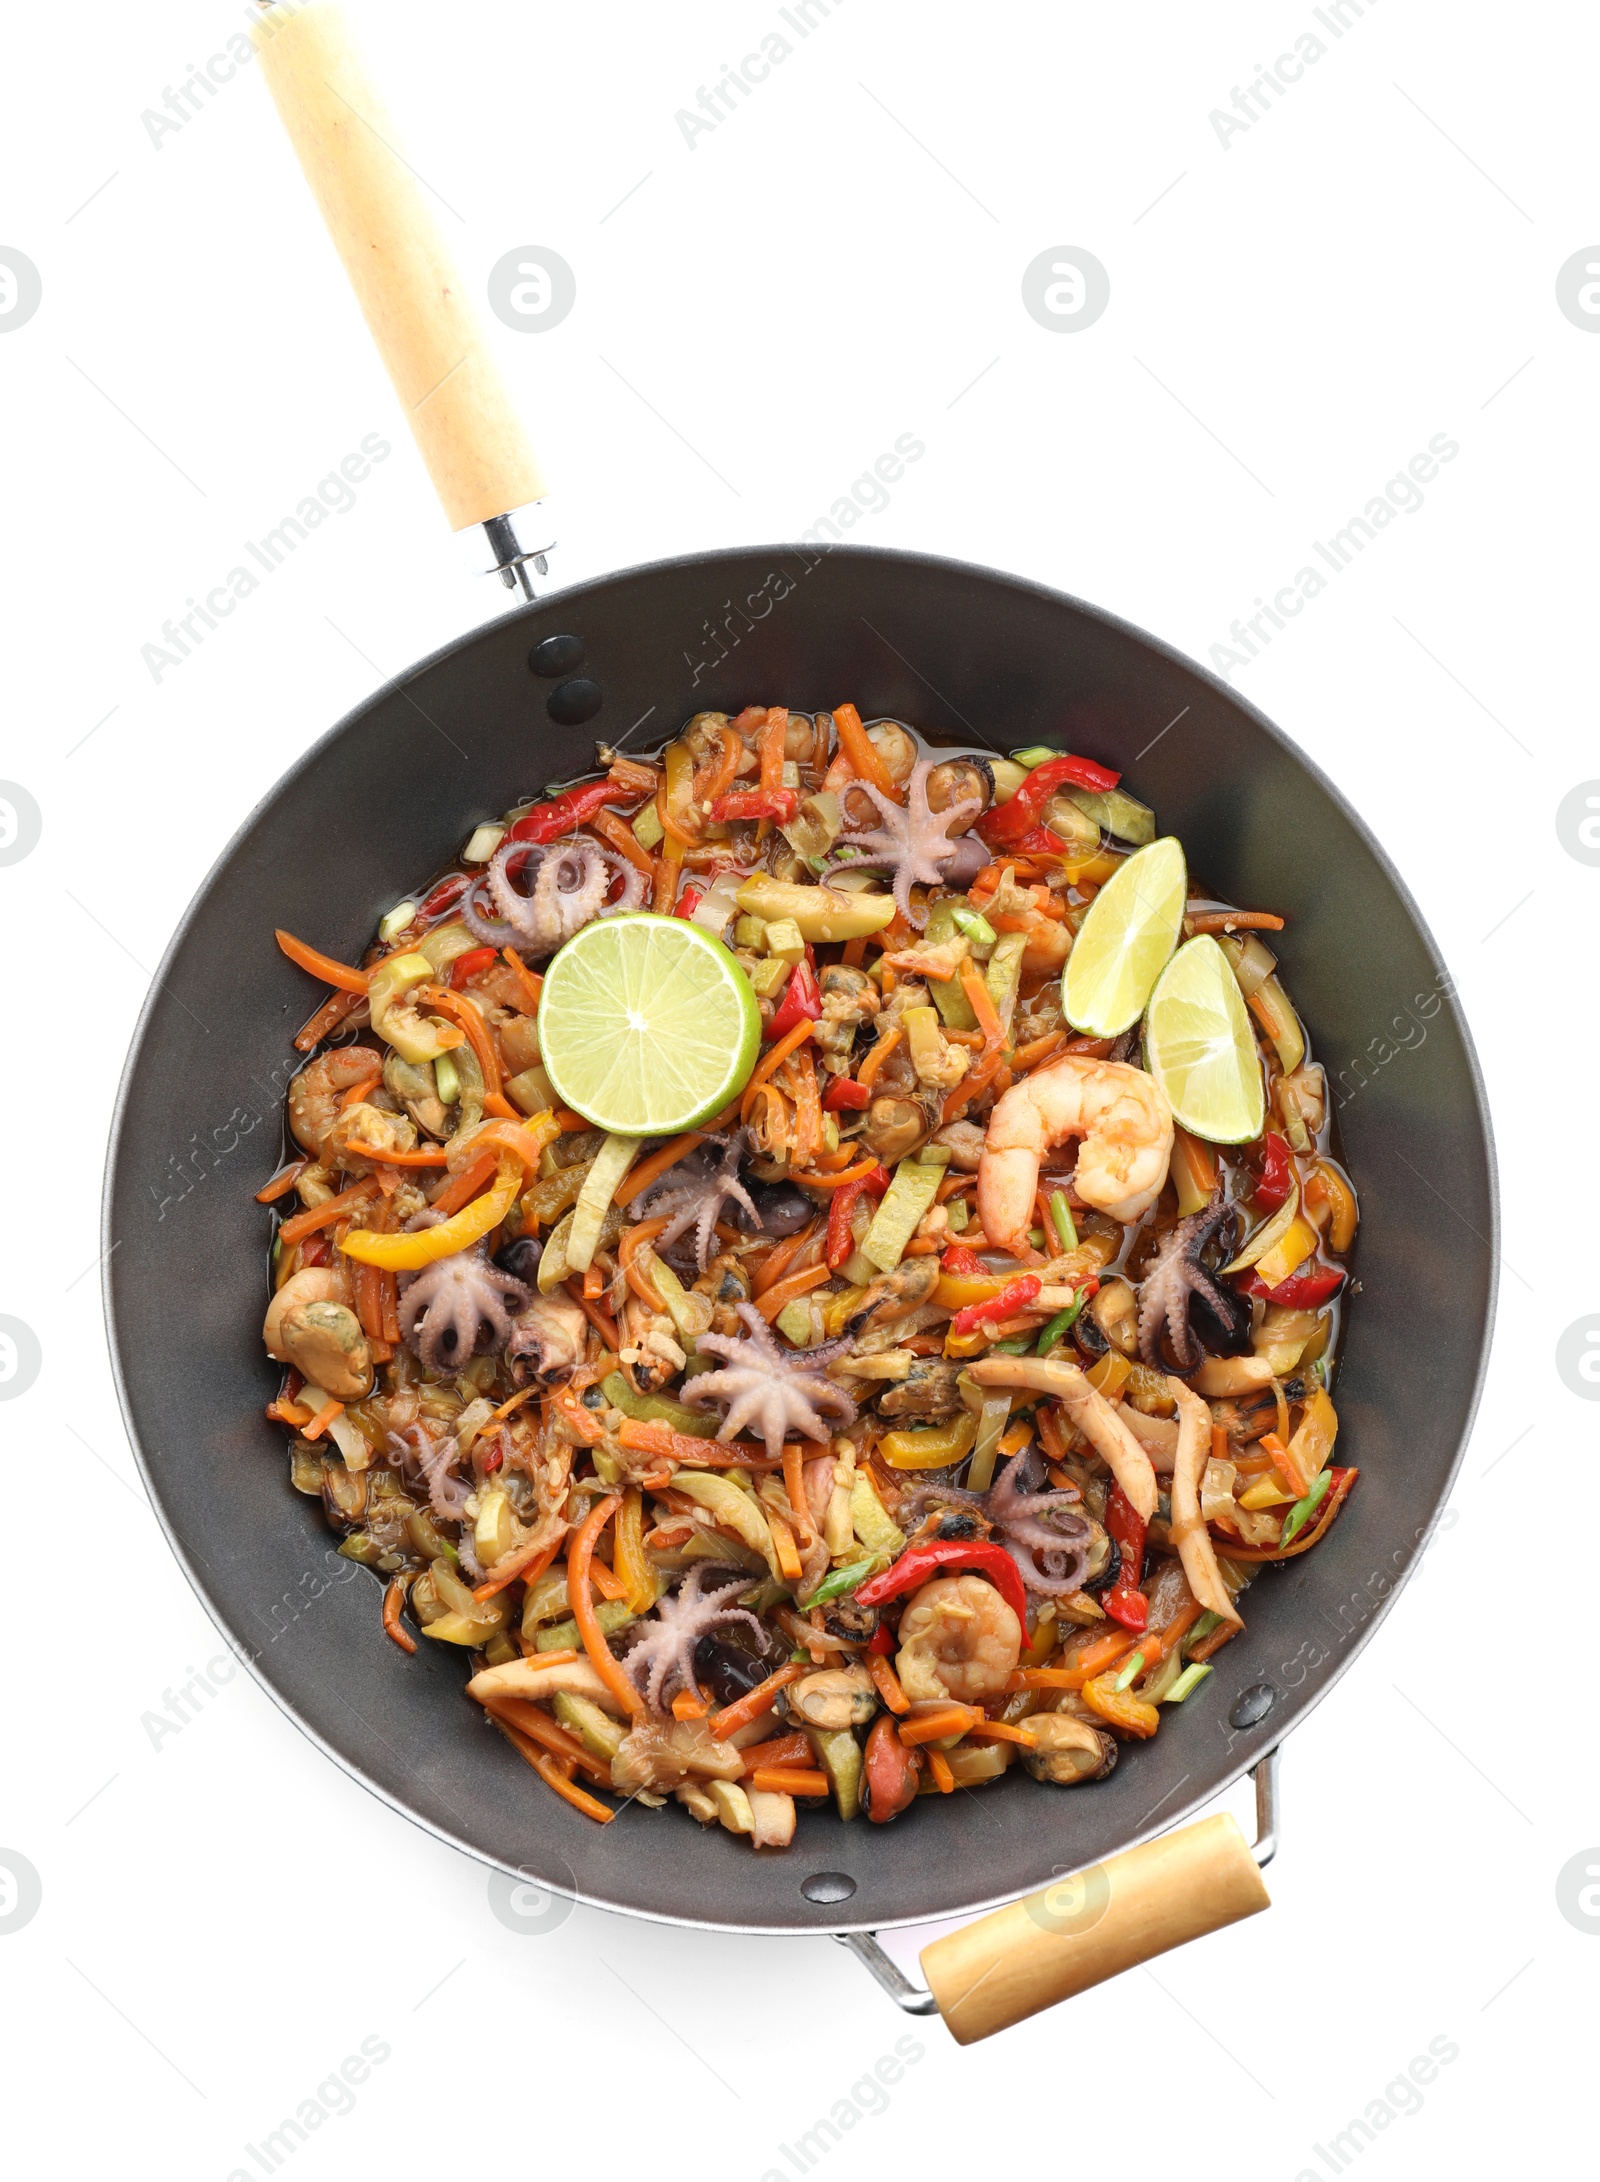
x: 1120, y: 1708
x: 1269, y: 1234
x: 933, y: 1449
x: 628, y: 1555
x: 1292, y: 1248
x: 410, y: 1253
x: 1328, y: 1186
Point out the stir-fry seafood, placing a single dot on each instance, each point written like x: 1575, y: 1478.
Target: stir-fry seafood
x: 925, y: 1412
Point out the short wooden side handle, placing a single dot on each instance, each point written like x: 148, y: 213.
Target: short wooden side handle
x: 1071, y: 1936
x: 384, y: 229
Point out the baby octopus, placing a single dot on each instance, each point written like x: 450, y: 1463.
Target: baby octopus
x: 695, y: 1193
x: 659, y: 1660
x: 570, y: 888
x: 780, y: 1392
x: 1175, y: 1282
x: 447, y: 1309
x: 914, y: 842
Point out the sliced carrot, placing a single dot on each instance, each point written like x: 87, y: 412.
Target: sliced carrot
x: 393, y: 1599
x: 939, y: 1767
x: 651, y: 1437
x: 624, y: 840
x: 650, y: 1170
x: 756, y: 1702
x: 479, y: 1036
x: 327, y: 1019
x: 580, y: 1558
x: 397, y: 1159
x: 1029, y: 1056
x: 1000, y: 1731
x: 317, y: 1216
x: 888, y: 1682
x: 779, y: 1257
x: 837, y: 1181
x: 390, y: 1289
x: 321, y: 1421
x: 789, y: 1043
x: 463, y: 1187
x: 789, y: 1780
x: 982, y: 1005
x: 785, y: 1291
x: 606, y: 1581
x: 782, y: 1750
x: 358, y: 1091
x: 633, y: 1241
x: 885, y: 1044
x: 784, y: 1546
x: 685, y: 1707
x: 932, y: 1727
x: 530, y: 981
x: 1235, y: 920
x: 320, y: 965
x: 525, y: 1562
x: 531, y: 1720
x: 858, y: 746
x: 549, y: 1771
x: 282, y: 1182
x: 1293, y: 1476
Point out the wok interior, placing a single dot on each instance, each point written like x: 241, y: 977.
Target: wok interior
x: 962, y: 654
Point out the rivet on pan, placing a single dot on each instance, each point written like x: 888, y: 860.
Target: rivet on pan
x: 569, y: 704
x: 556, y: 655
x: 1252, y: 1708
x: 828, y: 1886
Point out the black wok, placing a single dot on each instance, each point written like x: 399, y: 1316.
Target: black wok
x: 383, y: 800
x: 388, y: 796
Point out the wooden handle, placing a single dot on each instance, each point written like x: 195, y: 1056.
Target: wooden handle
x: 1033, y: 1953
x: 428, y: 335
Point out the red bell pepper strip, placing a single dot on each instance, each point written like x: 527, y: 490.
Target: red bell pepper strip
x: 1040, y: 841
x: 965, y: 1264
x: 1006, y: 823
x: 548, y: 821
x: 1125, y: 1602
x: 841, y: 1240
x: 1277, y: 1172
x: 445, y: 895
x: 845, y: 1094
x: 1301, y: 1291
x: 881, y: 1639
x: 690, y: 901
x: 776, y: 803
x: 801, y: 1002
x: 469, y: 965
x: 1015, y: 1296
x: 941, y: 1556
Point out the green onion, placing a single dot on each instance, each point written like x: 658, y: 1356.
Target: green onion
x: 1192, y: 1675
x: 1016, y: 1345
x: 1036, y: 1238
x: 446, y: 1079
x: 1203, y: 1628
x: 974, y: 923
x: 1303, y: 1510
x: 1037, y: 753
x: 1060, y: 1325
x: 1134, y: 1667
x: 1061, y: 1219
x: 841, y: 1581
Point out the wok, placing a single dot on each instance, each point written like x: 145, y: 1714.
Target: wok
x: 386, y: 797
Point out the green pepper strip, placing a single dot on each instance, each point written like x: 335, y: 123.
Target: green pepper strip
x: 1061, y: 1217
x: 1303, y: 1510
x: 1060, y: 1325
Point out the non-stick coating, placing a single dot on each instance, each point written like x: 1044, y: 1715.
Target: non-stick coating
x: 388, y: 796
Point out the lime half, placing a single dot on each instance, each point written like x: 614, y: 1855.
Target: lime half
x: 1127, y: 937
x: 647, y: 1025
x: 1200, y: 1048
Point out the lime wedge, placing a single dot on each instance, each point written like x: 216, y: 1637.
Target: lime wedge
x: 647, y: 1025
x: 1131, y: 929
x: 1200, y: 1048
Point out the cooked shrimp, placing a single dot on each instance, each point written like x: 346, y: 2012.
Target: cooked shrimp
x: 1123, y: 1118
x: 958, y: 1638
x: 315, y: 1093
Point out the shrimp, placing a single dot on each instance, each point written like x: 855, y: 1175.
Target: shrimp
x: 1123, y: 1118
x: 958, y: 1638
x: 315, y: 1093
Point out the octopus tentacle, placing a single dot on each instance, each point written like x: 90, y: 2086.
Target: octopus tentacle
x: 1175, y: 1278
x: 914, y: 841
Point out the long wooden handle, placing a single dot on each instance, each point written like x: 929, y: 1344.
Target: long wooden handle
x: 1033, y: 1953
x: 383, y: 227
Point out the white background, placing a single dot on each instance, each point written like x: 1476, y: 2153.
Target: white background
x: 1292, y: 317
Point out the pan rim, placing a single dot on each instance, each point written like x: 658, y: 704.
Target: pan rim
x: 1297, y: 1708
